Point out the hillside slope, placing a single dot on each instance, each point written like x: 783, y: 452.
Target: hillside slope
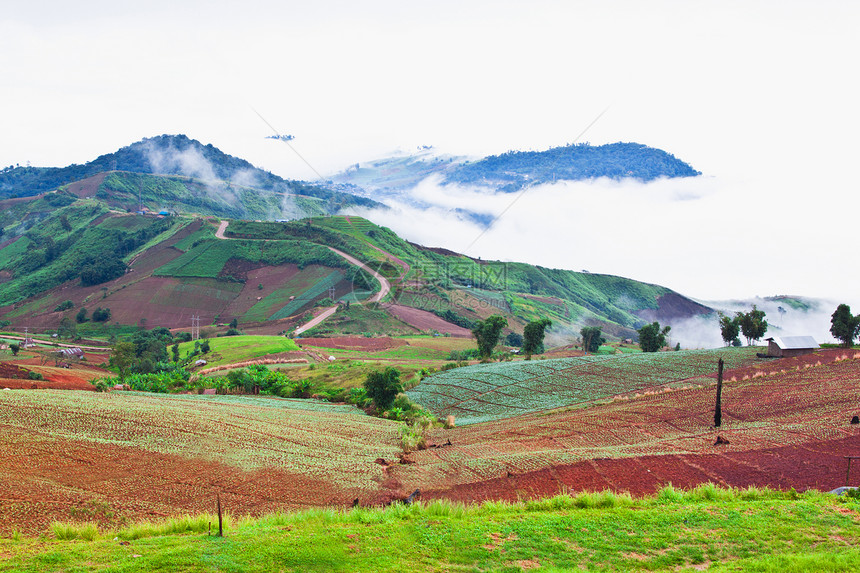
x: 174, y: 155
x: 74, y: 246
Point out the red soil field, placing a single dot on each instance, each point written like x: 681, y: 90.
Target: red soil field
x: 86, y: 187
x: 359, y: 343
x: 424, y: 321
x: 137, y: 484
x: 787, y: 429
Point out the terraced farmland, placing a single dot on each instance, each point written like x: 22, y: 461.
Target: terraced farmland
x: 786, y: 424
x: 501, y: 390
x: 139, y: 454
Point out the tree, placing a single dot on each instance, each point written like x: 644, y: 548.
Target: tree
x: 14, y: 348
x: 81, y: 317
x: 486, y: 333
x: 175, y: 350
x: 383, y: 387
x: 101, y: 314
x: 652, y: 338
x: 122, y: 358
x: 753, y: 324
x: 67, y: 328
x: 592, y: 338
x: 730, y: 328
x: 234, y: 323
x: 514, y: 339
x: 533, y: 335
x: 843, y: 325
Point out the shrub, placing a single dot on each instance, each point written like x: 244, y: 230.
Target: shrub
x: 33, y: 375
x: 65, y: 305
x: 383, y: 387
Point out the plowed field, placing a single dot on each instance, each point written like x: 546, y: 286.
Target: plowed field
x: 788, y: 428
x: 124, y: 456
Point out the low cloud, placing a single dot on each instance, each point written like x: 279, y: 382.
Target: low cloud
x: 696, y: 236
x: 191, y: 162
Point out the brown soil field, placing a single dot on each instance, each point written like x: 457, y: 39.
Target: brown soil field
x: 118, y: 457
x: 168, y: 302
x: 424, y: 321
x: 359, y: 343
x: 786, y: 425
x: 87, y: 187
x: 789, y: 428
x: 271, y: 278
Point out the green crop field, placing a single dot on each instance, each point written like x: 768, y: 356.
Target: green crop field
x: 707, y: 528
x: 207, y: 258
x: 230, y: 349
x: 501, y: 390
x: 308, y: 295
x: 294, y: 286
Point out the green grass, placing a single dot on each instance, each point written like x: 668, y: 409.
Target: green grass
x: 705, y: 528
x: 230, y: 349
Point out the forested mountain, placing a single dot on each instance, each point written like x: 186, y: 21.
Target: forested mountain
x: 515, y: 169
x: 512, y: 170
x: 176, y: 155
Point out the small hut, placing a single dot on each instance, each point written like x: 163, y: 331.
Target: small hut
x: 787, y: 346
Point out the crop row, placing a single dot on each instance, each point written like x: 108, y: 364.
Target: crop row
x: 498, y: 390
x: 301, y: 436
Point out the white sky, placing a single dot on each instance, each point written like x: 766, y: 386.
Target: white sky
x: 762, y: 97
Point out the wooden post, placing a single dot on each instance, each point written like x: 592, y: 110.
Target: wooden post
x: 848, y: 471
x: 718, y: 410
x: 220, y: 523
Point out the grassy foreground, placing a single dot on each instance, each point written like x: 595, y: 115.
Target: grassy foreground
x: 705, y: 528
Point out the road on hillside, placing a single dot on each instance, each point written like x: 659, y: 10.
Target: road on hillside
x: 316, y: 320
x: 384, y: 285
x: 221, y: 228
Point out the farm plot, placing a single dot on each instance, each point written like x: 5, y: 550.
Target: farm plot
x: 786, y: 429
x: 230, y: 349
x: 493, y: 391
x: 139, y: 454
x: 306, y: 297
x: 294, y: 285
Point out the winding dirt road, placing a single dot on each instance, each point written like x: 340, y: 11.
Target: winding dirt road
x: 384, y: 285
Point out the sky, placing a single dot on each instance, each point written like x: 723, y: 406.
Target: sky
x: 761, y: 97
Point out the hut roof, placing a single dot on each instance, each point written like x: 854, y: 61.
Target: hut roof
x: 794, y: 342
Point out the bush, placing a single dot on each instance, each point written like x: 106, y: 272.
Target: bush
x: 383, y: 387
x: 65, y: 305
x: 33, y: 375
x: 183, y: 336
x: 101, y: 314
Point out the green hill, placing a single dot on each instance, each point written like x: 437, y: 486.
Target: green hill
x: 515, y: 169
x: 209, y: 174
x: 80, y: 244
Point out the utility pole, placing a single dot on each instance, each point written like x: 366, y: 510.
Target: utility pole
x: 718, y: 410
x: 195, y: 327
x: 331, y: 292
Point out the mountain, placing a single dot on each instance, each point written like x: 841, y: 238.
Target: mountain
x: 513, y: 170
x: 172, y: 155
x: 72, y: 249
